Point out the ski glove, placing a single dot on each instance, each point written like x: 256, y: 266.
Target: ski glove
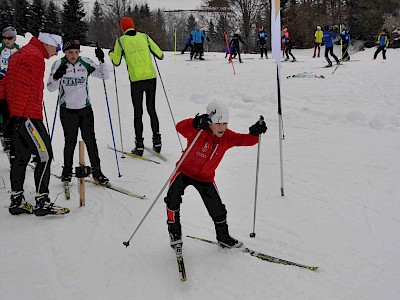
x: 61, y: 71
x: 202, y: 122
x: 2, y: 73
x: 258, y: 128
x: 99, y: 54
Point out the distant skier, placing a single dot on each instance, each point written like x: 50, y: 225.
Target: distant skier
x: 198, y: 169
x: 317, y: 41
x: 262, y: 41
x: 235, y: 44
x: 346, y: 41
x: 383, y: 43
x: 188, y: 44
x: 198, y: 37
x: 328, y: 37
x: 69, y: 75
x: 288, y: 44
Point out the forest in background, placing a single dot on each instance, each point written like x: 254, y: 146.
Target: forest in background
x: 365, y: 19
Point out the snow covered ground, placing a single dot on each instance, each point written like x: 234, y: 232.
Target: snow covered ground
x: 340, y: 210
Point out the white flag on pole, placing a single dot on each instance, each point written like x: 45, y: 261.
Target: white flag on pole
x: 276, y: 33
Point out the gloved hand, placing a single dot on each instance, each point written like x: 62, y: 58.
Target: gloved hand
x: 2, y: 73
x: 61, y: 71
x: 202, y: 121
x: 258, y: 128
x: 99, y: 54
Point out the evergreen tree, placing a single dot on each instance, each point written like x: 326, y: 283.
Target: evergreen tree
x: 21, y: 16
x: 6, y: 14
x: 97, y: 28
x: 191, y: 24
x: 52, y: 16
x: 73, y: 23
x: 37, y: 21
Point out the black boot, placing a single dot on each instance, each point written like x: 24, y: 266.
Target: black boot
x: 174, y: 228
x: 66, y: 175
x: 157, y: 142
x: 139, y: 147
x: 45, y: 207
x: 99, y: 176
x: 223, y: 237
x: 18, y: 204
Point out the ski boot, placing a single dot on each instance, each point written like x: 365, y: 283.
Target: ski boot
x: 139, y: 147
x: 18, y: 204
x: 157, y: 142
x: 44, y: 207
x: 175, y: 235
x: 223, y: 237
x: 99, y: 176
x: 66, y: 175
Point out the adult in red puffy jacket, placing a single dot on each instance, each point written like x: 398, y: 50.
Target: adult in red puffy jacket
x: 24, y: 93
x: 198, y: 168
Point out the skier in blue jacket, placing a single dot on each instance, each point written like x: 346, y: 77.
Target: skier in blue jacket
x: 197, y: 36
x: 382, y: 42
x: 328, y: 37
x: 345, y: 38
x: 188, y: 43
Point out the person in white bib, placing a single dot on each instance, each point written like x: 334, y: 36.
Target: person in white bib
x: 69, y: 75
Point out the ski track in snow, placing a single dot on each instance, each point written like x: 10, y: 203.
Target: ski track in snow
x: 340, y: 210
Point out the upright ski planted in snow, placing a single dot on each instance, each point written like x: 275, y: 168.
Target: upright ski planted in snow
x: 261, y: 256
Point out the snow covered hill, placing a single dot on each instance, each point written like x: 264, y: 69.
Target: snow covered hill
x: 340, y: 210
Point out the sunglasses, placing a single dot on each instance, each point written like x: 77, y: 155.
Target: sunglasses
x: 8, y: 38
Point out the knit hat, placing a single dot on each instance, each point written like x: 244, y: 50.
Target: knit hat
x: 51, y: 39
x: 260, y: 28
x: 319, y: 27
x: 219, y: 111
x: 71, y: 44
x: 284, y: 28
x: 127, y: 23
x: 10, y: 31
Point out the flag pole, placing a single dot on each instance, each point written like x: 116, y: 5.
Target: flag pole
x: 276, y: 53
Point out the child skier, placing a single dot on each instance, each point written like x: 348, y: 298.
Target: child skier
x: 262, y: 41
x: 328, y: 37
x: 382, y: 42
x: 346, y: 41
x: 70, y: 76
x: 188, y: 44
x: 288, y: 44
x: 317, y: 41
x: 198, y: 168
x: 235, y: 44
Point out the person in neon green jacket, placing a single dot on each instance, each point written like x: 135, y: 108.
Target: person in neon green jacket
x: 136, y: 48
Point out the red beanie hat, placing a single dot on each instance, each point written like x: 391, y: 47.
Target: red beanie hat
x: 127, y: 23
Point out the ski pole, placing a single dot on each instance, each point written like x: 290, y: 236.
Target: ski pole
x: 109, y: 115
x: 253, y: 234
x: 119, y: 115
x: 45, y: 115
x: 172, y: 115
x: 165, y: 185
x: 55, y: 116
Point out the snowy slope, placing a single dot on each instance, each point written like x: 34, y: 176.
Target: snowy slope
x: 339, y: 212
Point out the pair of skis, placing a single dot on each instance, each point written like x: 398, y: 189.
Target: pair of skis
x: 159, y: 155
x: 262, y: 256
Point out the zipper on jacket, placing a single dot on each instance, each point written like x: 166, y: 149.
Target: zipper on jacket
x: 212, y: 154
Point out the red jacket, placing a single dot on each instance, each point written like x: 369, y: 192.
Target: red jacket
x: 24, y: 81
x: 208, y: 150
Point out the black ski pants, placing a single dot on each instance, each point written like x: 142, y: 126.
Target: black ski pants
x: 263, y: 48
x: 72, y: 120
x: 29, y: 137
x: 329, y: 50
x: 137, y: 89
x: 288, y: 50
x: 5, y: 115
x: 208, y: 192
x: 380, y: 48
